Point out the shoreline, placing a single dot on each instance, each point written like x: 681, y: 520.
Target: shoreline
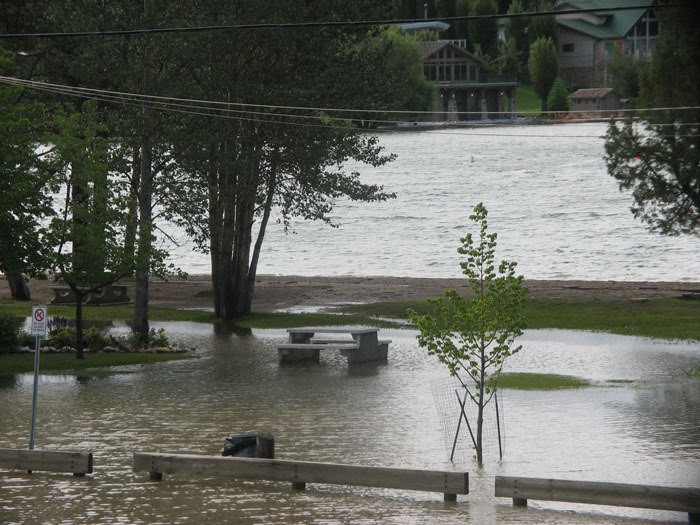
x: 286, y: 291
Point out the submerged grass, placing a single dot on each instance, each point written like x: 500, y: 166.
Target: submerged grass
x: 525, y: 381
x: 667, y: 318
x: 11, y: 364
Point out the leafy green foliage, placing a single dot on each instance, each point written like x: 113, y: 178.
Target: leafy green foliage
x: 558, y: 98
x: 24, y: 185
x: 543, y: 66
x: 9, y: 334
x: 625, y: 72
x: 484, y: 32
x: 659, y: 165
x: 474, y: 336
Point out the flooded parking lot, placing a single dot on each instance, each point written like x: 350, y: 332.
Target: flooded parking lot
x: 640, y: 423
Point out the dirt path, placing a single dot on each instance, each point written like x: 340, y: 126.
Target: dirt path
x: 278, y: 292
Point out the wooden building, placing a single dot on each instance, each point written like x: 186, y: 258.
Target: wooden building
x: 461, y: 92
x: 587, y: 40
x: 595, y: 100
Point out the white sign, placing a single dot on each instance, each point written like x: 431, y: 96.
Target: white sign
x: 39, y: 320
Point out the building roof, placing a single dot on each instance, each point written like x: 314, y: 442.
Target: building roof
x: 592, y: 93
x: 603, y: 25
x: 435, y: 26
x: 430, y: 48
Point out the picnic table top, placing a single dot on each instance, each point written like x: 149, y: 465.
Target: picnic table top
x: 333, y: 330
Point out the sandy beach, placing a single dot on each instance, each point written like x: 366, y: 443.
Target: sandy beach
x: 273, y: 292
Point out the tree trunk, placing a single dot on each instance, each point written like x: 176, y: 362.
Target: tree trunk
x: 145, y: 242
x: 133, y: 213
x: 145, y: 227
x: 79, y: 344
x: 18, y: 286
x: 480, y: 413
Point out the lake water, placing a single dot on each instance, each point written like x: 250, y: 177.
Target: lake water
x: 639, y: 424
x: 555, y: 209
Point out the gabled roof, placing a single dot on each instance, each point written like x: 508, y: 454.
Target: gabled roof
x: 430, y: 48
x: 592, y: 93
x: 434, y: 26
x: 603, y: 25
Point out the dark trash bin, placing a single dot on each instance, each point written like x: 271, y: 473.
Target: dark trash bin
x: 249, y: 445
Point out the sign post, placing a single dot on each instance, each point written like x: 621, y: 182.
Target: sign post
x: 38, y: 330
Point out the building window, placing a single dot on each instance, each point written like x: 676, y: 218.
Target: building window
x: 472, y: 73
x: 567, y: 48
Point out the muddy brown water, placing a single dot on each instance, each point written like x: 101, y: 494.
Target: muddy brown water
x: 640, y: 423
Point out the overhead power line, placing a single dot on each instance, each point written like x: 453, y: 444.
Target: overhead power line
x: 326, y: 24
x: 270, y: 114
x: 243, y: 107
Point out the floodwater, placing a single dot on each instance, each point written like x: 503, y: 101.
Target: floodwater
x: 640, y: 423
x: 555, y: 209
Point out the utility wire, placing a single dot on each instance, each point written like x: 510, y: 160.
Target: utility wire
x: 350, y: 23
x: 324, y: 121
x: 228, y: 106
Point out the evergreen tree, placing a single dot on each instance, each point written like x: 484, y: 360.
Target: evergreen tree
x: 558, y: 98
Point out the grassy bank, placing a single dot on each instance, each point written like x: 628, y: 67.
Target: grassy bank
x: 527, y: 102
x: 11, y: 364
x: 666, y: 318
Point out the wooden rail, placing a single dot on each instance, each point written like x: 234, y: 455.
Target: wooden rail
x: 299, y: 473
x: 600, y: 493
x: 78, y: 463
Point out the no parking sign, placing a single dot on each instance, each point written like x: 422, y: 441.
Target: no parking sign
x: 39, y: 320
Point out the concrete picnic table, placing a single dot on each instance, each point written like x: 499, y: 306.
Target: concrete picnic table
x: 303, y: 345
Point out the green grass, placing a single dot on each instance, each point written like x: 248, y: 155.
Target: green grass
x: 666, y: 318
x: 253, y: 320
x: 11, y: 364
x: 524, y: 381
x: 527, y: 102
x: 108, y: 313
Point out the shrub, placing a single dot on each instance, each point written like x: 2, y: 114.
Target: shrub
x: 93, y: 340
x: 60, y: 337
x: 9, y: 334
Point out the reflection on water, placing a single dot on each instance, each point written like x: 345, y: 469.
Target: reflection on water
x: 646, y: 431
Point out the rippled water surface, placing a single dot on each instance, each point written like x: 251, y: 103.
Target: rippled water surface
x: 552, y: 203
x: 639, y: 424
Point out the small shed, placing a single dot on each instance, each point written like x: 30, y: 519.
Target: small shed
x: 595, y: 99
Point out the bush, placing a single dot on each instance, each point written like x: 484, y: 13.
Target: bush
x: 9, y: 334
x: 93, y: 340
x: 60, y: 337
x: 154, y: 339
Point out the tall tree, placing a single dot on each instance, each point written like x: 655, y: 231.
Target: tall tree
x: 518, y: 29
x: 543, y: 67
x: 659, y: 161
x: 87, y: 235
x: 263, y: 156
x: 543, y: 26
x: 474, y: 336
x: 25, y: 188
x: 484, y: 32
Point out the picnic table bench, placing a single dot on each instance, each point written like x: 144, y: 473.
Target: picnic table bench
x: 304, y: 346
x: 108, y: 294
